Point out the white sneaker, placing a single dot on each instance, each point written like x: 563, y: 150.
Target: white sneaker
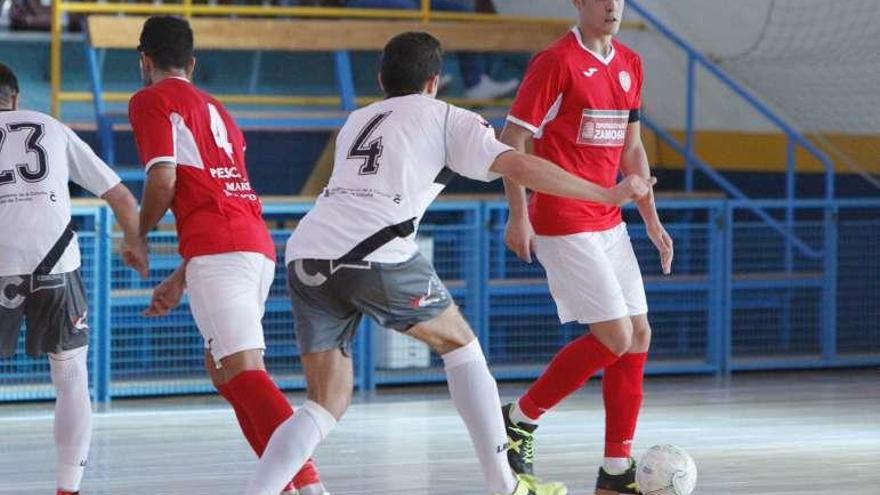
x: 487, y: 89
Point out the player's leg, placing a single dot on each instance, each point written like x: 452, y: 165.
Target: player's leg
x: 325, y: 323
x: 227, y: 298
x: 329, y: 378
x: 56, y: 311
x: 586, y: 290
x: 622, y: 388
x: 410, y: 298
x: 73, y: 416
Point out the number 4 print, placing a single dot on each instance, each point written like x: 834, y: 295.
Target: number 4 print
x: 368, y: 152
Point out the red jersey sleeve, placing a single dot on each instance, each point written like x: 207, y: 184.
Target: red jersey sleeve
x: 153, y: 130
x: 543, y: 86
x: 639, y: 83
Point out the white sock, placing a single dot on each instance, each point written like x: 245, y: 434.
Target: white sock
x: 615, y: 465
x: 517, y: 416
x: 291, y: 445
x: 475, y: 395
x: 73, y: 415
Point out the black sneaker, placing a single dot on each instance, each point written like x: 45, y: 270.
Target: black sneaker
x: 520, y: 443
x: 619, y: 483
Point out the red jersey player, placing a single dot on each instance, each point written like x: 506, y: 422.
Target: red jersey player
x: 580, y: 102
x: 193, y: 153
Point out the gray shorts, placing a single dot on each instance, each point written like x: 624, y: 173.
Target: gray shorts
x: 54, y: 307
x: 330, y: 298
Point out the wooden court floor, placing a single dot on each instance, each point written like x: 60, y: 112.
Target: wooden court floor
x: 764, y: 434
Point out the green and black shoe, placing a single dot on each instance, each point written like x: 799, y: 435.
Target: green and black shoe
x: 529, y: 485
x: 623, y: 484
x: 521, y: 443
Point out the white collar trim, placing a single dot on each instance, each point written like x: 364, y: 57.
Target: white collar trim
x: 604, y: 59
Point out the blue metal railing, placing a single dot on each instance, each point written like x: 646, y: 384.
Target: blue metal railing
x: 794, y: 137
x: 730, y: 305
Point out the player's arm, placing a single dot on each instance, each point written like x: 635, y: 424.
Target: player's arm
x: 167, y: 295
x: 90, y: 172
x: 124, y: 206
x: 546, y: 177
x: 634, y: 162
x: 519, y: 236
x: 545, y: 82
x: 158, y: 195
x: 150, y: 116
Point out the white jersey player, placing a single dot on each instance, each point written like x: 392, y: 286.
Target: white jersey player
x: 354, y: 254
x: 40, y: 259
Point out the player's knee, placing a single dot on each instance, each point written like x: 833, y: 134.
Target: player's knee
x: 336, y: 402
x: 68, y: 366
x: 641, y: 338
x: 445, y: 333
x: 616, y: 335
x: 622, y: 342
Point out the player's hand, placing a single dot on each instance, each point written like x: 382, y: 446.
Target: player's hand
x: 519, y: 236
x: 663, y: 242
x: 166, y: 296
x: 135, y: 254
x: 631, y: 188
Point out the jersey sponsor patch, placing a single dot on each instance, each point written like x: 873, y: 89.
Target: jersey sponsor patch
x: 603, y: 128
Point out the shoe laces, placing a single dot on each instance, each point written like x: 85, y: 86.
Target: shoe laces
x: 527, y: 445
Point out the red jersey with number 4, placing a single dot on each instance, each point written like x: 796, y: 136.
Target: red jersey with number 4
x: 578, y: 104
x: 215, y: 208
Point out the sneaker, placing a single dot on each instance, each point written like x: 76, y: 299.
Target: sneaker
x: 520, y: 443
x: 614, y: 484
x: 529, y: 485
x: 316, y: 489
x: 487, y: 89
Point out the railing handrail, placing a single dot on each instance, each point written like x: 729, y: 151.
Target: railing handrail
x: 795, y: 137
x: 790, y: 131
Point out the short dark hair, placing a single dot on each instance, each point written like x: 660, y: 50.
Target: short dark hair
x: 168, y: 40
x: 409, y: 61
x: 8, y: 83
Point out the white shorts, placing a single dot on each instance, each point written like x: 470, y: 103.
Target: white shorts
x: 227, y: 296
x: 593, y: 276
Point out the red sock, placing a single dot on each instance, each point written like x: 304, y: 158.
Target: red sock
x: 622, y: 391
x: 567, y: 372
x: 243, y: 422
x: 62, y: 492
x: 260, y: 401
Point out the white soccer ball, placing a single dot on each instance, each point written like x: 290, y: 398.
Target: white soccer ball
x: 666, y: 470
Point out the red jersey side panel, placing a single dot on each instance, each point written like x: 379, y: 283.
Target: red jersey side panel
x: 215, y: 208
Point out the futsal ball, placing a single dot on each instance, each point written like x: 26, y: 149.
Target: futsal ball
x: 666, y: 470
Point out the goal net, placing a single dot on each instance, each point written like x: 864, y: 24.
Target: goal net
x: 819, y: 61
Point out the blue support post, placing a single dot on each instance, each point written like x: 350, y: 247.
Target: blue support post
x: 717, y: 266
x: 690, y: 106
x: 366, y: 371
x: 103, y: 124
x: 726, y: 343
x: 481, y: 282
x: 790, y: 191
x: 829, y: 290
x: 345, y: 80
x: 102, y: 340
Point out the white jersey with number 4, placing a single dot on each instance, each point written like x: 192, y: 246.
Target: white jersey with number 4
x: 38, y: 155
x: 392, y: 160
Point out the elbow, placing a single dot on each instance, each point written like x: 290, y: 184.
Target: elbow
x: 513, y: 168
